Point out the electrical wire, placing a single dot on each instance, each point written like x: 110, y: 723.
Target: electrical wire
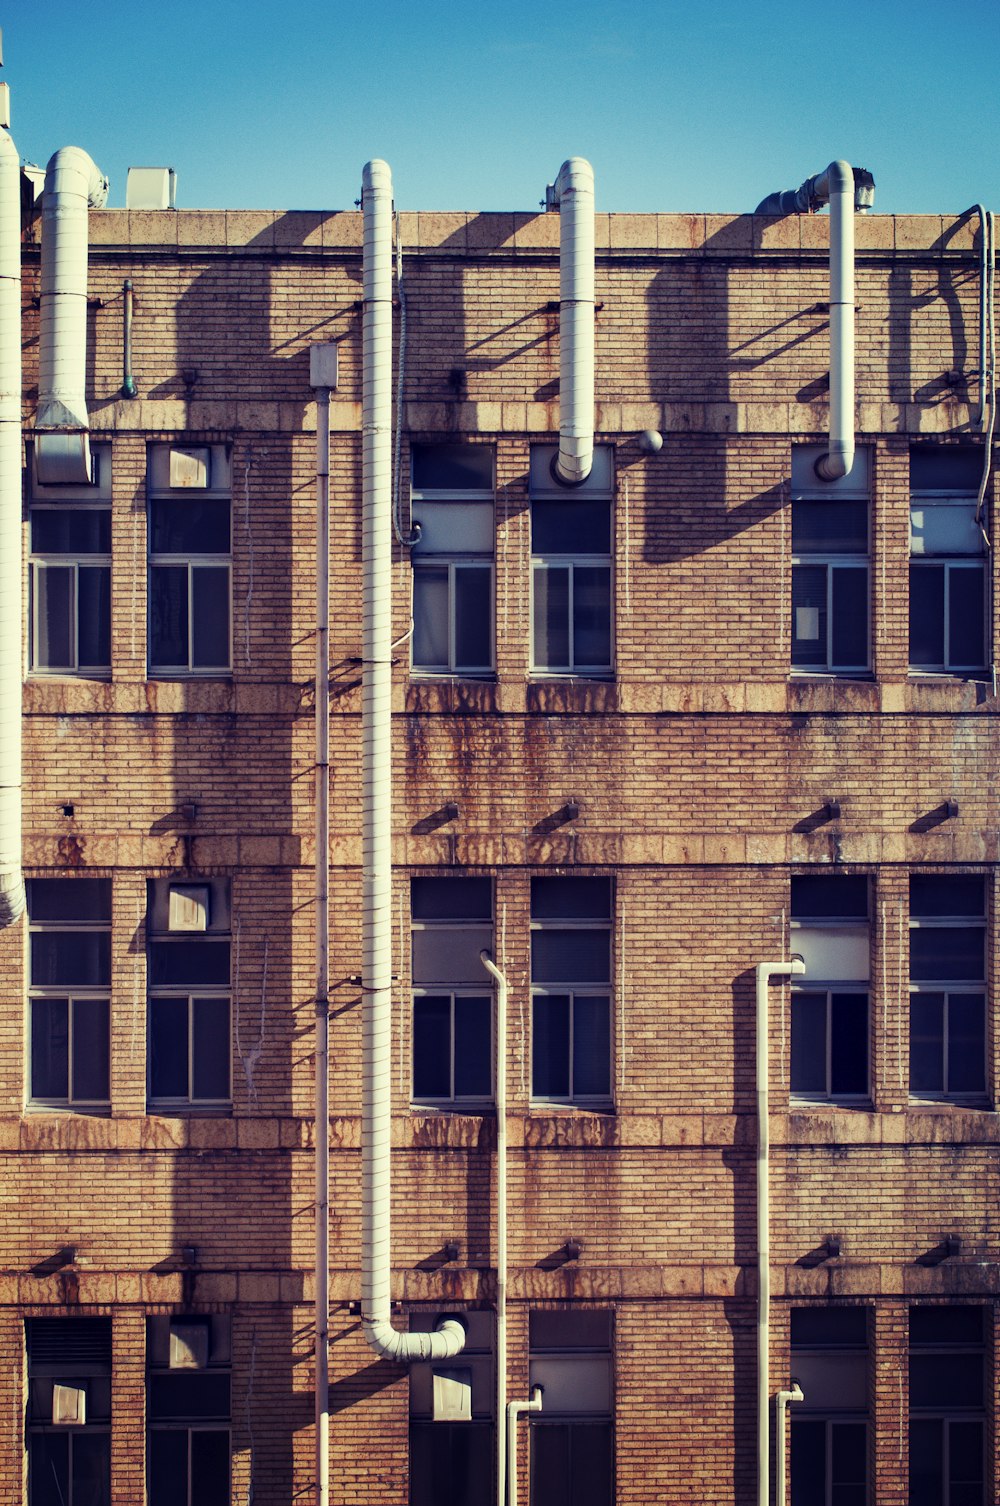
x: 406, y: 539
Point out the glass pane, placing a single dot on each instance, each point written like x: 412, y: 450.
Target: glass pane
x: 168, y: 1048
x: 926, y: 1462
x: 210, y: 1067
x: 829, y: 527
x: 590, y: 1464
x: 571, y: 527
x: 933, y: 894
x: 550, y: 616
x: 945, y: 468
x: 473, y: 1047
x: 808, y: 1452
x: 927, y: 1043
x: 946, y: 1381
x: 189, y: 526
x: 168, y: 1467
x: 82, y: 900
x: 808, y: 1061
x: 570, y: 898
x: 823, y: 896
x: 432, y: 1046
x: 849, y: 1453
x: 48, y: 1469
x: 591, y: 1047
x: 91, y: 1050
x: 53, y: 601
x: 210, y: 617
x: 452, y: 467
x: 189, y: 1394
x: 82, y: 958
x: 809, y: 616
x: 550, y: 1464
x: 453, y: 528
x: 829, y: 1328
x: 430, y: 617
x: 168, y: 616
x: 927, y: 616
x: 949, y: 1325
x: 848, y: 1044
x: 592, y: 616
x: 91, y: 1468
x: 50, y: 1048
x: 173, y: 963
x: 570, y: 1330
x: 570, y: 956
x: 944, y: 528
x: 450, y: 954
x: 451, y: 1464
x: 849, y: 612
x: 966, y: 617
x: 947, y: 952
x: 965, y: 1456
x: 209, y: 1468
x: 966, y: 1043
x: 550, y: 1046
x: 451, y: 898
x: 473, y: 618
x: 70, y: 530
x: 94, y: 617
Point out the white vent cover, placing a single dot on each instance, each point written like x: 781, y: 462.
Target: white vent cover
x: 189, y: 468
x: 188, y: 907
x: 452, y: 1395
x: 69, y: 1406
x: 151, y: 188
x: 188, y: 1346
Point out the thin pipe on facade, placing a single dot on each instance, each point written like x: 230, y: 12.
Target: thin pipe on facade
x: 500, y: 1092
x: 766, y: 971
x: 514, y: 1410
x: 987, y: 354
x: 573, y: 195
x: 781, y: 1401
x: 128, y: 382
x: 376, y: 792
x: 11, y: 669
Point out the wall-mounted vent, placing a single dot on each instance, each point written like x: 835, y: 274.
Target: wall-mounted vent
x: 188, y: 907
x: 452, y: 1395
x: 151, y: 188
x: 189, y: 1344
x: 69, y: 1406
x: 189, y: 468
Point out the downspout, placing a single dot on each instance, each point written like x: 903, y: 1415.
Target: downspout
x: 73, y: 184
x: 781, y: 1404
x: 11, y: 669
x: 514, y: 1410
x: 573, y: 195
x: 500, y: 1092
x: 846, y: 189
x: 376, y: 792
x: 765, y: 972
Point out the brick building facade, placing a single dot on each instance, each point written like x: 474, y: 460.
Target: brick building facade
x: 704, y: 753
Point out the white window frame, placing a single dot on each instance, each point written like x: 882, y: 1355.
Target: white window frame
x: 825, y: 988
x: 967, y: 988
x: 828, y: 1095
x: 853, y: 488
x: 455, y: 992
x: 579, y: 991
x: 48, y: 498
x: 192, y: 995
x: 833, y: 564
x: 427, y: 553
x: 71, y: 993
x: 455, y: 665
x: 949, y: 561
x: 217, y: 491
x: 571, y: 563
x: 219, y: 935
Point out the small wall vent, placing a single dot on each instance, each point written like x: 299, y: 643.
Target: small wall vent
x: 151, y: 188
x: 69, y: 1406
x: 188, y: 1345
x: 188, y: 907
x: 189, y: 468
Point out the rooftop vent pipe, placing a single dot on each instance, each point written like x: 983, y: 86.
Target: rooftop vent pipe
x: 376, y: 790
x: 73, y: 184
x: 573, y: 195
x: 11, y: 880
x: 846, y: 189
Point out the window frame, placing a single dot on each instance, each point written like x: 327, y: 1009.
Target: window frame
x: 187, y: 1424
x: 51, y: 498
x: 574, y: 990
x: 599, y: 489
x: 829, y: 1413
x: 71, y: 994
x: 947, y: 1416
x: 825, y: 988
x: 86, y: 1368
x: 808, y: 490
x: 455, y: 992
x: 579, y: 1419
x: 218, y: 935
x: 959, y: 497
x: 425, y: 557
x: 953, y: 988
x: 189, y: 560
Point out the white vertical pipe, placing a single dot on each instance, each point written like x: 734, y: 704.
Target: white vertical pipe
x: 73, y: 183
x: 500, y: 1092
x: 514, y: 1410
x: 11, y: 669
x: 376, y: 790
x: 574, y: 195
x: 322, y: 1129
x: 765, y: 972
x: 840, y: 455
x: 780, y: 1450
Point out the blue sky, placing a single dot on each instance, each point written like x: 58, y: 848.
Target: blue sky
x: 678, y: 106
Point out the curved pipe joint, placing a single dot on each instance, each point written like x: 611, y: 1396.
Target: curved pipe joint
x: 514, y: 1411
x: 573, y: 195
x: 376, y: 790
x: 11, y: 880
x: 780, y: 1451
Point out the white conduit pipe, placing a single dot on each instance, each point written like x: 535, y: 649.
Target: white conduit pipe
x: 376, y: 792
x: 780, y: 1450
x: 11, y: 880
x: 573, y: 195
x: 501, y: 1252
x: 839, y: 187
x: 765, y: 972
x: 514, y: 1410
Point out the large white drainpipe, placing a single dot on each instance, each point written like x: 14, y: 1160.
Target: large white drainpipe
x: 501, y: 1251
x: 376, y: 791
x: 765, y: 972
x: 73, y: 184
x: 573, y: 195
x: 11, y: 881
x: 845, y: 191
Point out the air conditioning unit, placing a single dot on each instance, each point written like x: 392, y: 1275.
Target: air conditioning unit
x: 69, y: 1406
x: 452, y: 1395
x: 189, y: 467
x: 188, y: 907
x: 188, y: 1345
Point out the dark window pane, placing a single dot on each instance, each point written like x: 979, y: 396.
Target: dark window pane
x: 473, y: 1047
x: 168, y: 616
x: 168, y: 1467
x: 177, y: 963
x: 955, y: 468
x: 209, y: 1468
x: 590, y: 1464
x: 50, y: 1048
x: 70, y: 530
x: 966, y: 1043
x: 432, y: 1046
x: 94, y: 612
x: 965, y: 1457
x: 572, y: 527
x: 808, y: 1463
x: 87, y: 901
x: 949, y: 1325
x: 550, y: 1464
x: 946, y: 1381
x: 91, y: 1468
x: 592, y: 615
x: 591, y: 1047
x: 829, y: 527
x: 550, y: 1046
x: 927, y: 1043
x: 168, y: 1048
x: 808, y: 1057
x: 570, y: 956
x: 966, y: 617
x: 473, y: 618
x: 569, y: 1330
x: 451, y: 898
x: 809, y: 624
x: 59, y: 958
x: 550, y: 612
x: 829, y: 1327
x: 91, y: 1050
x: 927, y: 615
x: 823, y: 896
x: 48, y: 1469
x: 570, y: 898
x: 210, y: 617
x: 848, y: 1044
x: 210, y: 1053
x: 452, y: 467
x: 926, y: 1462
x: 849, y: 1453
x: 451, y: 1464
x: 947, y: 952
x: 191, y: 526
x: 934, y: 894
x: 849, y: 618
x: 194, y: 1394
x: 54, y: 616
x: 430, y: 617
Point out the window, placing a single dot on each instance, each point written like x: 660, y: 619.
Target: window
x: 572, y: 1438
x: 830, y: 1009
x: 947, y: 1407
x: 188, y: 1032
x: 947, y: 986
x: 571, y: 989
x: 189, y: 559
x: 829, y: 566
x: 188, y: 1410
x: 571, y: 597
x: 69, y: 1411
x: 452, y: 997
x: 451, y: 1419
x: 452, y: 508
x: 69, y: 984
x: 947, y: 565
x: 69, y: 578
x: 829, y: 1432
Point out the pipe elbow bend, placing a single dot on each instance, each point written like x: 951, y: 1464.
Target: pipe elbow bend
x: 575, y: 176
x: 447, y: 1341
x: 840, y: 178
x: 837, y: 461
x: 376, y: 176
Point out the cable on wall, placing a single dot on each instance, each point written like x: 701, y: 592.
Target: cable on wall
x: 406, y: 539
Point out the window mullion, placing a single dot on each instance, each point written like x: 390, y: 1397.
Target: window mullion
x: 452, y: 612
